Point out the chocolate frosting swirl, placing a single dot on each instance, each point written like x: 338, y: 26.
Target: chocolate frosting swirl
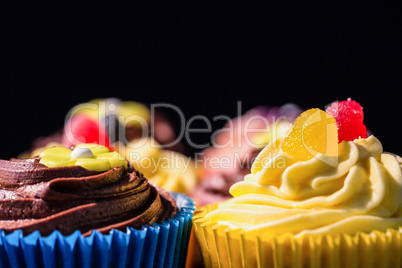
x: 35, y: 197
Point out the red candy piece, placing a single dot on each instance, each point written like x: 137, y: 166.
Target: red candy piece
x: 349, y: 119
x: 82, y: 129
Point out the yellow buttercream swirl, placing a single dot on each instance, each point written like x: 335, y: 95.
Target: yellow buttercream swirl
x: 170, y: 170
x: 359, y: 190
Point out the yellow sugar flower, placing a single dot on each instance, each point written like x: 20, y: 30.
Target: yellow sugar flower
x: 87, y: 155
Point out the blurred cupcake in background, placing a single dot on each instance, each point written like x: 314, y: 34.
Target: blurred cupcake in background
x: 113, y: 120
x: 236, y: 146
x: 106, y: 122
x: 145, y: 137
x: 169, y: 169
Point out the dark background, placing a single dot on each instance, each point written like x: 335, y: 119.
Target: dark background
x: 202, y: 56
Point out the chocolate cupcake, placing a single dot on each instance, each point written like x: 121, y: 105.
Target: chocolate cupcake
x: 87, y: 193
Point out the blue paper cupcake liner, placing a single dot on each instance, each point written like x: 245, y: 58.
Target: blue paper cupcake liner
x: 159, y: 245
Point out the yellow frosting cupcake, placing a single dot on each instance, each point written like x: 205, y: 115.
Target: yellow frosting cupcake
x: 309, y: 203
x: 170, y: 170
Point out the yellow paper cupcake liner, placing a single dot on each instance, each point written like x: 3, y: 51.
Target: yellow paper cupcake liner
x: 222, y: 246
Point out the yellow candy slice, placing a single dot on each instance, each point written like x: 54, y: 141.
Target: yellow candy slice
x: 314, y: 132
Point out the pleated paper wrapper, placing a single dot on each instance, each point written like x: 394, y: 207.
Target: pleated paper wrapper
x: 225, y: 247
x: 159, y: 245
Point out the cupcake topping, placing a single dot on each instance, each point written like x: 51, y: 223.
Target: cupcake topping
x: 314, y: 132
x: 90, y: 156
x: 349, y: 119
x: 83, y: 129
x: 105, y: 121
x: 81, y: 152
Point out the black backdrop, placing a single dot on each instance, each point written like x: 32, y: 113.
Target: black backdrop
x: 202, y: 56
